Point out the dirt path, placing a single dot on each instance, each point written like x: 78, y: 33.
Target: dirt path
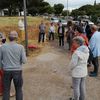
x: 46, y: 76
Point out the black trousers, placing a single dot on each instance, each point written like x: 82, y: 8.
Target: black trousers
x: 51, y: 35
x: 16, y: 76
x: 61, y: 40
x: 41, y: 37
x: 95, y: 62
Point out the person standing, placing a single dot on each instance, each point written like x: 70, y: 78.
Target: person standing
x: 51, y: 31
x: 94, y: 46
x: 88, y: 30
x: 70, y: 36
x: 61, y: 34
x: 42, y: 29
x: 79, y: 32
x: 21, y: 29
x: 12, y: 56
x: 79, y: 70
x: 1, y: 71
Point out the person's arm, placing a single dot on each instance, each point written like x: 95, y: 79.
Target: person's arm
x: 1, y: 57
x: 92, y: 43
x: 74, y: 61
x: 23, y: 56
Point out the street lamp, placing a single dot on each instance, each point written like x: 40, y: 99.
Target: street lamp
x: 25, y: 27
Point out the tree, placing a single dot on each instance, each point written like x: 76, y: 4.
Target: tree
x: 17, y: 5
x: 44, y: 6
x: 34, y: 6
x: 74, y: 13
x: 65, y: 12
x: 11, y: 5
x: 58, y: 8
x: 50, y: 10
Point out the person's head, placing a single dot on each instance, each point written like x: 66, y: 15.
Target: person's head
x: 13, y: 35
x: 78, y: 30
x: 52, y: 24
x: 78, y: 41
x: 93, y: 28
x: 42, y: 22
x: 3, y: 40
x: 87, y: 23
x: 99, y: 29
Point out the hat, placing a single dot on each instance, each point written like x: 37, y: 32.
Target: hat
x: 13, y: 34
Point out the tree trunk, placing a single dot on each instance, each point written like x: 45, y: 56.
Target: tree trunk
x: 10, y: 10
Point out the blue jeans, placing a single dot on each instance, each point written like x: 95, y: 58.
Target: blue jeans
x: 41, y: 37
x: 16, y: 76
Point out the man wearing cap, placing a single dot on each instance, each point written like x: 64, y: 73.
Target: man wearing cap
x: 12, y: 56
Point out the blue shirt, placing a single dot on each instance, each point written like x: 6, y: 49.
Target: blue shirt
x: 94, y: 44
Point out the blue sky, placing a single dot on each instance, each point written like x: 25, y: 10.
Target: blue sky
x: 72, y: 3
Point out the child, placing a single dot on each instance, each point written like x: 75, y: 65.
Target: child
x: 79, y: 68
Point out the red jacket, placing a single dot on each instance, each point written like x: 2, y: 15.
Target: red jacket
x: 86, y: 42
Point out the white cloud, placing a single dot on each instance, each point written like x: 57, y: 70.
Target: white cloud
x: 72, y: 3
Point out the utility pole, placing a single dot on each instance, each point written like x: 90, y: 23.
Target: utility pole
x: 67, y: 11
x: 25, y: 27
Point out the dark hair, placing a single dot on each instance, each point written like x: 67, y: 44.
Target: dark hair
x: 99, y: 29
x: 4, y: 40
x: 79, y: 29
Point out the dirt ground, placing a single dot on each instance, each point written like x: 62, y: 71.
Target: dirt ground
x: 47, y: 76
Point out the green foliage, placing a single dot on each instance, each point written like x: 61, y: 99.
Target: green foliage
x: 11, y: 5
x: 58, y: 8
x: 50, y: 10
x: 44, y: 6
x: 65, y: 12
x: 90, y: 10
x: 94, y: 18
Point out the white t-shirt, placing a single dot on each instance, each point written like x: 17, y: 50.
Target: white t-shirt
x: 52, y: 29
x: 21, y: 25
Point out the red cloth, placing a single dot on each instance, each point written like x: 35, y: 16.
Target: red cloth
x: 1, y: 81
x: 32, y: 47
x: 86, y: 42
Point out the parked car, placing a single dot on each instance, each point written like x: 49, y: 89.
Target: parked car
x: 90, y: 22
x: 64, y: 22
x: 54, y: 20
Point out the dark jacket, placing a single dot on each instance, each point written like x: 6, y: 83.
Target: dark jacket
x: 63, y: 30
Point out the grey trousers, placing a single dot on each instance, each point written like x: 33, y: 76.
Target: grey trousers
x: 79, y: 88
x: 16, y: 76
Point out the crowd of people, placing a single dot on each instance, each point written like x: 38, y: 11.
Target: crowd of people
x: 84, y: 45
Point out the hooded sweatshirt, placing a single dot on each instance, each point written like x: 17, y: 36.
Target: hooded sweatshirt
x: 79, y: 62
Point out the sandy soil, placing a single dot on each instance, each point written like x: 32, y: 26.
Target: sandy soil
x: 47, y: 77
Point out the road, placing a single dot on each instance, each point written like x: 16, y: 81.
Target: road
x: 47, y: 76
